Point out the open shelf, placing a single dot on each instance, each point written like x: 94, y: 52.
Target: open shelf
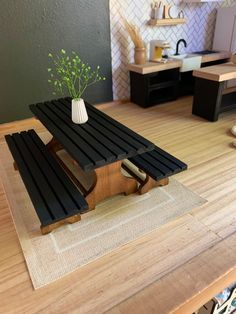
x: 166, y: 22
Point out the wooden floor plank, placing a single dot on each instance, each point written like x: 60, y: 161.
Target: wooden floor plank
x: 174, y: 269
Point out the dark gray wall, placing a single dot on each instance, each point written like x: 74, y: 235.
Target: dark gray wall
x: 30, y: 29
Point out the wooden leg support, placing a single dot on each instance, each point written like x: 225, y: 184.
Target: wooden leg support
x: 110, y: 181
x: 149, y: 183
x: 50, y: 228
x: 54, y: 145
x: 15, y: 166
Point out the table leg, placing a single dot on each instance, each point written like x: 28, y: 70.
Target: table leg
x: 149, y: 184
x: 207, y: 98
x: 109, y: 181
x: 54, y: 146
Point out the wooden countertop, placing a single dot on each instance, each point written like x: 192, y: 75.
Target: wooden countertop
x: 152, y: 67
x: 219, y: 73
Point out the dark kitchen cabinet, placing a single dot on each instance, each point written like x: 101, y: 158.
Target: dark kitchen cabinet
x: 187, y: 80
x: 154, y: 88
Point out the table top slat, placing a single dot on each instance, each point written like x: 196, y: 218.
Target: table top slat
x: 134, y: 139
x: 102, y: 151
x: 95, y: 133
x: 119, y: 141
x: 140, y: 139
x: 86, y: 148
x: 99, y: 141
x: 69, y: 146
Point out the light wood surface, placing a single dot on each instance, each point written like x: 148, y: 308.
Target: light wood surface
x: 218, y: 73
x: 166, y: 21
x: 151, y: 67
x: 174, y: 269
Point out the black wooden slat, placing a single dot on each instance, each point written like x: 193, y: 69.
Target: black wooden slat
x: 147, y: 167
x: 103, y: 128
x: 52, y: 201
x: 57, y: 187
x: 88, y: 150
x: 88, y: 127
x: 173, y: 159
x: 120, y: 126
x: 68, y: 185
x: 140, y: 148
x: 117, y: 129
x: 171, y: 165
x: 84, y: 162
x: 135, y: 136
x: 156, y: 164
x: 34, y: 193
x: 80, y: 132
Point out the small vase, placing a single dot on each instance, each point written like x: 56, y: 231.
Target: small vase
x: 140, y: 55
x: 79, y: 113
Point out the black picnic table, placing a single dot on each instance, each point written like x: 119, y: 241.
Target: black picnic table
x: 101, y: 148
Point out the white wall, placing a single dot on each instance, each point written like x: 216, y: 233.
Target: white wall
x: 198, y: 32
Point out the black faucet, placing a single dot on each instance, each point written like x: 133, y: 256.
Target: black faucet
x: 177, y: 46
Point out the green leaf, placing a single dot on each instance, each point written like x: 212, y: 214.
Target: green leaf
x: 63, y: 51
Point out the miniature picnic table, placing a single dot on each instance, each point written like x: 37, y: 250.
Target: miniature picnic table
x: 101, y: 147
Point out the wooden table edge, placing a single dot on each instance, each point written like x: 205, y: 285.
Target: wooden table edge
x: 193, y: 302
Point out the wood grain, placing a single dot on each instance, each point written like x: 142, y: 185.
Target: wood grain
x: 152, y: 67
x: 174, y: 269
x: 218, y: 73
x: 167, y: 21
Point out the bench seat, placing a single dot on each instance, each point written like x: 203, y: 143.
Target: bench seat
x: 55, y: 198
x: 156, y: 164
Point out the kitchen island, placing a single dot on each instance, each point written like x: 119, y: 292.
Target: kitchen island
x: 211, y: 97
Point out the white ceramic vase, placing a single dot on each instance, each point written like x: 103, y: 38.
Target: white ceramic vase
x: 79, y: 112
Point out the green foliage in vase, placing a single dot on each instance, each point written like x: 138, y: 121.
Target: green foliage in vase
x: 69, y: 74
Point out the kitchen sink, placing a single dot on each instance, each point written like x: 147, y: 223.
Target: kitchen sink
x: 205, y: 52
x: 190, y: 62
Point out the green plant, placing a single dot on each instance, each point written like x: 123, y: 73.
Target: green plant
x: 70, y: 75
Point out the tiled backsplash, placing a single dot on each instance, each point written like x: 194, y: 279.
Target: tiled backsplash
x: 198, y: 32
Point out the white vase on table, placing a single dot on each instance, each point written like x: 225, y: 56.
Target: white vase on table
x: 78, y: 112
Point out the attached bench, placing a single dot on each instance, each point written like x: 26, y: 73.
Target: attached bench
x: 54, y: 196
x: 157, y: 165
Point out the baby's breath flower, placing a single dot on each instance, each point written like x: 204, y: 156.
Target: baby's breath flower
x: 70, y: 75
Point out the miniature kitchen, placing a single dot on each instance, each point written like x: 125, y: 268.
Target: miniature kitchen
x: 169, y: 71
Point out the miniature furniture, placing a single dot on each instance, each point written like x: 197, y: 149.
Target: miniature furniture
x: 210, y: 96
x: 54, y: 196
x: 158, y: 166
x: 98, y: 147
